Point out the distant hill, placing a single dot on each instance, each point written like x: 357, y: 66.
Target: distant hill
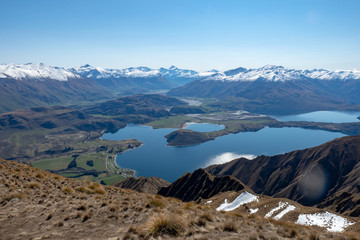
x: 151, y: 105
x: 327, y: 176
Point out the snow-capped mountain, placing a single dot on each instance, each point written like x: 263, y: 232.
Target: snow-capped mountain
x: 91, y: 72
x: 266, y: 73
x: 279, y: 73
x: 177, y: 72
x: 35, y: 71
x: 97, y: 72
x: 179, y: 76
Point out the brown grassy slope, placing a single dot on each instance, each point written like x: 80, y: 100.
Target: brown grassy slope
x: 36, y: 204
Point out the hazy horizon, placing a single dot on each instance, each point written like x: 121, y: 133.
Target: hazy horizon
x: 199, y: 35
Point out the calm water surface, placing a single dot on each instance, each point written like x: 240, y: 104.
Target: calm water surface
x: 204, y: 127
x: 155, y: 158
x: 322, y: 116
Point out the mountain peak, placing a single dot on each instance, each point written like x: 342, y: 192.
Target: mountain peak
x: 269, y: 66
x: 85, y: 66
x: 173, y: 67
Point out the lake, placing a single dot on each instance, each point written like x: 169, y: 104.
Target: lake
x: 155, y: 158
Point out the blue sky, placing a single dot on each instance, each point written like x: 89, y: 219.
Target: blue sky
x: 195, y: 34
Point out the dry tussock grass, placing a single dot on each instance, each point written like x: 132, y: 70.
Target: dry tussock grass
x: 161, y: 224
x: 155, y: 202
x: 230, y: 226
x: 11, y: 196
x: 68, y: 190
x: 33, y: 185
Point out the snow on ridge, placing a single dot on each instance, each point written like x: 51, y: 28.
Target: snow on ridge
x: 35, y: 71
x: 280, y: 73
x: 265, y: 73
x: 330, y: 221
x: 177, y: 72
x: 242, y: 199
x: 140, y: 72
x: 97, y: 72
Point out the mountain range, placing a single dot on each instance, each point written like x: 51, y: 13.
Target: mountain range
x: 277, y: 88
x: 266, y: 73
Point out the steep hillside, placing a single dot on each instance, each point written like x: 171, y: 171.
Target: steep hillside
x: 227, y: 193
x: 27, y: 93
x: 36, y: 204
x: 52, y: 117
x: 327, y: 175
x: 143, y: 184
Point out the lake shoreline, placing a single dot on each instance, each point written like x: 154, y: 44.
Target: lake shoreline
x: 129, y: 169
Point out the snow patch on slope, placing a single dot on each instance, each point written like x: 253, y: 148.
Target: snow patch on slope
x: 252, y: 211
x: 285, y: 211
x: 272, y: 211
x: 242, y: 199
x: 330, y: 221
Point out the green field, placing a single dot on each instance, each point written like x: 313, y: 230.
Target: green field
x: 94, y: 161
x: 171, y: 122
